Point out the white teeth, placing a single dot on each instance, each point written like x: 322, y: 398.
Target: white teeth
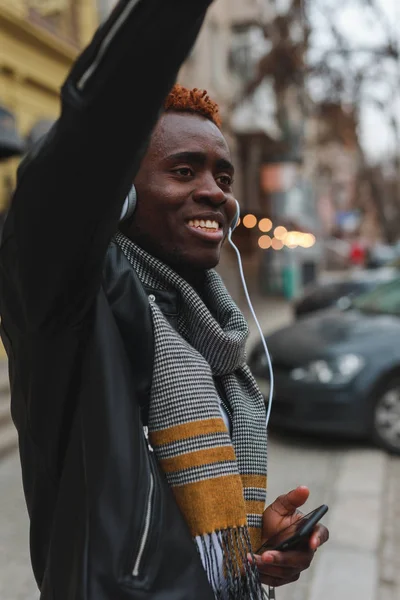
x: 204, y: 224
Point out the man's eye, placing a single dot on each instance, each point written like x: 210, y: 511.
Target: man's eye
x: 225, y: 180
x: 184, y: 171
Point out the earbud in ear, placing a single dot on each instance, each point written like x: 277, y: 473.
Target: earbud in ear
x: 129, y: 205
x: 236, y: 218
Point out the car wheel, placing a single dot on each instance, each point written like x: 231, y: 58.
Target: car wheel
x: 386, y: 416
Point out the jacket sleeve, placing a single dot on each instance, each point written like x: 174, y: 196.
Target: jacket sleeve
x: 71, y: 188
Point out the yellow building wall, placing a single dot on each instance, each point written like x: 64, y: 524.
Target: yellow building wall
x: 33, y: 65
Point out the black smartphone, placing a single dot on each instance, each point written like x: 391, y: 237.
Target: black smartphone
x: 297, y: 535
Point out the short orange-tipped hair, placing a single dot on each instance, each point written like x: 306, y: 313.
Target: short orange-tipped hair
x: 181, y: 99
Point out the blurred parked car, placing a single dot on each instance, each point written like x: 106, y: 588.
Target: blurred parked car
x: 381, y: 255
x: 342, y: 291
x: 338, y: 372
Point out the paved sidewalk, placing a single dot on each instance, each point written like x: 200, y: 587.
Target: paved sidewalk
x: 389, y: 581
x: 16, y: 577
x: 4, y: 383
x: 349, y: 566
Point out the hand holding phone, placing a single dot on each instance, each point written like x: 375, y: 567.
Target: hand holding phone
x: 297, y: 535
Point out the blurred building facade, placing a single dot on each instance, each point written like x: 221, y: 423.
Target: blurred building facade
x: 39, y: 40
x: 214, y: 62
x: 332, y: 158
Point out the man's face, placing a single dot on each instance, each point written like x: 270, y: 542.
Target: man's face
x: 184, y: 186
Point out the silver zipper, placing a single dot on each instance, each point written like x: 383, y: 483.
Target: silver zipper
x: 106, y: 43
x: 146, y: 530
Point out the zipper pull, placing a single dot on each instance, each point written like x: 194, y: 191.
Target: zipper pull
x: 146, y: 435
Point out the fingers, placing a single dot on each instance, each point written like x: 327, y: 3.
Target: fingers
x: 287, y: 504
x: 274, y: 574
x: 285, y: 561
x: 280, y: 568
x: 319, y: 536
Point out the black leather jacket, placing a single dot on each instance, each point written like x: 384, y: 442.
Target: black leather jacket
x: 77, y: 328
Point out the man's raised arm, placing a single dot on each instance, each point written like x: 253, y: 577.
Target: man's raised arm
x: 71, y: 189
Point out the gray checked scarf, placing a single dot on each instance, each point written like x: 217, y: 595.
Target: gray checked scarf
x: 218, y: 481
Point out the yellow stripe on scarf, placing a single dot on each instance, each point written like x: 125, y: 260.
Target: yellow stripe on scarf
x: 199, y: 458
x: 186, y: 431
x: 203, y: 513
x: 254, y: 481
x: 253, y: 507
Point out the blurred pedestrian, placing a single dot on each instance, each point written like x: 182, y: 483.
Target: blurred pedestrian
x: 142, y: 431
x: 357, y: 254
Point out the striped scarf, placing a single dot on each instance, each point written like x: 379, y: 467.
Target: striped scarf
x: 219, y: 481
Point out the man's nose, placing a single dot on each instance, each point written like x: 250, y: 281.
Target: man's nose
x: 208, y: 191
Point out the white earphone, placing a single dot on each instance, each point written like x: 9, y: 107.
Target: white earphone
x: 235, y: 221
x: 129, y: 205
x: 127, y: 211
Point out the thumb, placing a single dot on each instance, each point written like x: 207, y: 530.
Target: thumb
x: 287, y: 504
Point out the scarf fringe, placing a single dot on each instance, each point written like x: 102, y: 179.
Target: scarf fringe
x: 239, y: 579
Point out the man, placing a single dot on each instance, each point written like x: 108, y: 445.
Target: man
x: 105, y: 338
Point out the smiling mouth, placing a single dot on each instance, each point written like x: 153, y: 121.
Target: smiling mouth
x: 206, y: 226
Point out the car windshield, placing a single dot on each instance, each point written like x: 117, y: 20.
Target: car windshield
x: 383, y: 299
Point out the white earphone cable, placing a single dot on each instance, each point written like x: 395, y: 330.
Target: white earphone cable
x: 271, y: 590
x: 271, y: 373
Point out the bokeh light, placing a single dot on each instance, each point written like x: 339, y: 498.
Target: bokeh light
x: 249, y: 221
x: 277, y: 244
x: 280, y: 233
x: 308, y: 240
x: 292, y: 239
x: 265, y: 225
x: 264, y: 242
